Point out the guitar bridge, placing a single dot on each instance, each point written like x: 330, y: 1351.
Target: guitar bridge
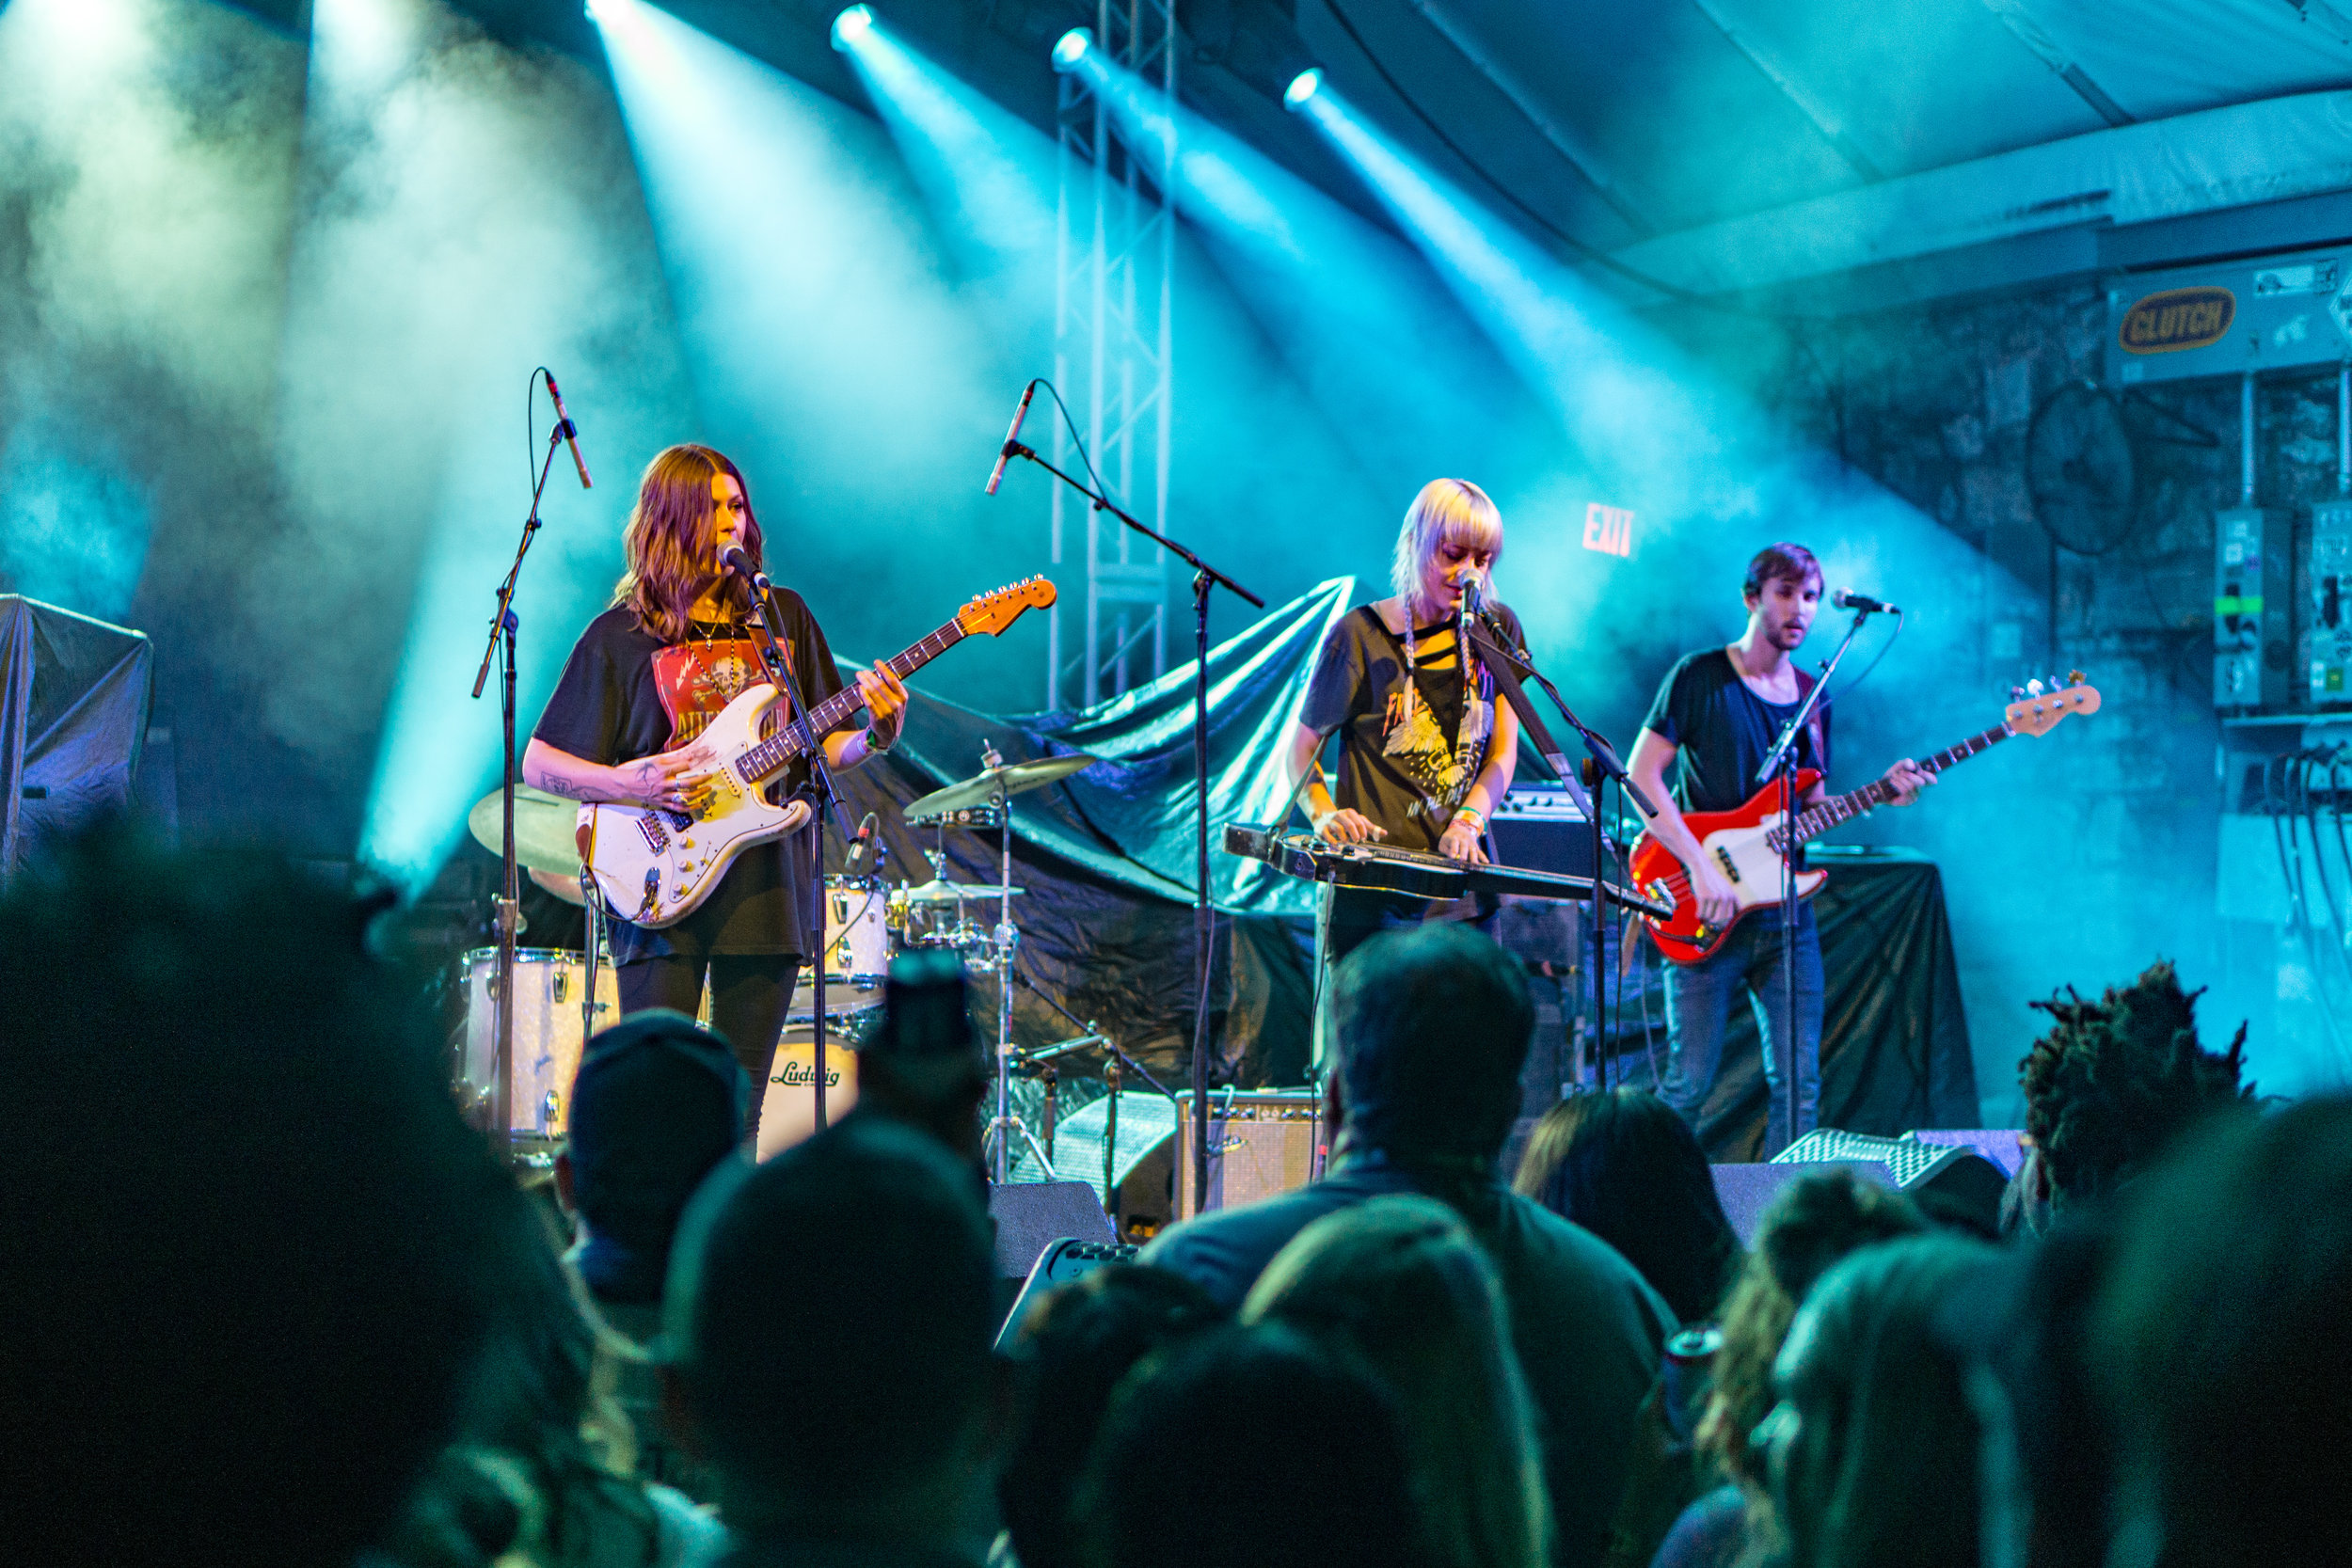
x: 657, y: 836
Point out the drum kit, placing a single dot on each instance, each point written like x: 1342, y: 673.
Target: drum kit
x: 562, y: 997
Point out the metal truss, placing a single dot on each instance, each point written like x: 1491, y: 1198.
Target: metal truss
x: 1113, y: 261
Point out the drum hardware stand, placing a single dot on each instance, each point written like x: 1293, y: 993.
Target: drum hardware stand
x: 826, y: 806
x: 1004, y: 945
x: 503, y: 627
x: 1114, y: 1059
x: 1206, y: 580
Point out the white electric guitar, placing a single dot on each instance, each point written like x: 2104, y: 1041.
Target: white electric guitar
x: 655, y: 866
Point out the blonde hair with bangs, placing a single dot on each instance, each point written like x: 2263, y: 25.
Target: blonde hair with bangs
x: 1447, y: 510
x: 672, y: 539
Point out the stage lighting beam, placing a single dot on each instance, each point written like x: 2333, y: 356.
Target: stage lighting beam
x: 1302, y: 87
x: 851, y: 25
x: 1071, y: 47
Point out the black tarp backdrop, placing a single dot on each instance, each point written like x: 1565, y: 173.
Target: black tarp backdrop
x: 74, y: 695
x: 1894, y: 1051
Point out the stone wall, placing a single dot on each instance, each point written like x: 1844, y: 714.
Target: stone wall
x: 2095, y: 852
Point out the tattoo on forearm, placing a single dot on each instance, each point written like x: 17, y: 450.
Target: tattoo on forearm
x: 566, y: 788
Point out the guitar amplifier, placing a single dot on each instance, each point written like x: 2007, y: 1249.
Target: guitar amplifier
x: 1538, y: 827
x: 1261, y: 1143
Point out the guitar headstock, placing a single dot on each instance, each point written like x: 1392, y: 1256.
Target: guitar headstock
x: 2040, y: 707
x: 992, y: 612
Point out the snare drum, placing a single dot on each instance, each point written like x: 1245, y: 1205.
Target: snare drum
x: 546, y: 1050
x: 787, y: 1113
x: 857, y: 949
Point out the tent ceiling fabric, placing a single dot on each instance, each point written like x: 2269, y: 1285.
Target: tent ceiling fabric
x: 1696, y: 112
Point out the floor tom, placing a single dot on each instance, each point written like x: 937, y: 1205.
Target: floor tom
x: 549, y: 983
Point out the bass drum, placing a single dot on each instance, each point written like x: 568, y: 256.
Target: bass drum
x: 787, y: 1113
x: 547, y: 985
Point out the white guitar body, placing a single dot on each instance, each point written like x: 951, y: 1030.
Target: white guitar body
x: 1749, y: 864
x: 653, y: 868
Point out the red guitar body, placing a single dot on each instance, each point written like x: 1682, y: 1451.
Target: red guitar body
x: 1743, y: 844
x: 1736, y: 842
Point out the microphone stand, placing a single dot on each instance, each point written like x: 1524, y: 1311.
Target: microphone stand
x: 1510, y: 666
x: 1781, y: 763
x: 510, y: 880
x: 1205, y: 579
x: 828, y: 809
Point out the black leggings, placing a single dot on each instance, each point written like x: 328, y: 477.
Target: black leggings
x: 748, y: 996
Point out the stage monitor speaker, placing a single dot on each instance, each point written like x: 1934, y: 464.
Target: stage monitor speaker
x: 1031, y: 1215
x: 1261, y: 1143
x: 1747, y: 1191
x: 2004, y: 1145
x: 1955, y: 1181
x: 1062, y: 1261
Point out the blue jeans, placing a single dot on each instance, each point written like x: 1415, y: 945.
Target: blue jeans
x: 1699, y: 999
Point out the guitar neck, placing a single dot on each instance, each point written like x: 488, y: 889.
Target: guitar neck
x: 1815, y: 820
x: 780, y: 750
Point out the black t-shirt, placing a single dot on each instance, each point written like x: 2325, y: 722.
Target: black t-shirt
x: 1404, y: 766
x: 1725, y: 730
x: 626, y: 695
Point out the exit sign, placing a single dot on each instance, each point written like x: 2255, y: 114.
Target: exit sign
x: 1609, y: 529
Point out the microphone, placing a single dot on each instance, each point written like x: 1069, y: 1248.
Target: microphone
x: 732, y: 559
x: 564, y: 426
x: 859, y: 845
x: 1473, y: 592
x: 1012, y: 436
x: 1846, y: 598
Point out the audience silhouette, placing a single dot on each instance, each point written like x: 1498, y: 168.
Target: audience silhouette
x: 1399, y: 1283
x: 1431, y: 1026
x: 1624, y: 1165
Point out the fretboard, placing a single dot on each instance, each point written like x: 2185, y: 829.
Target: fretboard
x: 1815, y: 820
x: 775, y: 754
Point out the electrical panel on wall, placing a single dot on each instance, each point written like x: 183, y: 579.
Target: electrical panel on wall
x: 2324, y: 639
x: 2252, y: 604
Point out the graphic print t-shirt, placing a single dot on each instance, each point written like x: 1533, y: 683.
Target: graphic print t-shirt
x: 1403, y: 765
x: 625, y: 695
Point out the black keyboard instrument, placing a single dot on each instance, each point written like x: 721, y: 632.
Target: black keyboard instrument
x: 1412, y: 873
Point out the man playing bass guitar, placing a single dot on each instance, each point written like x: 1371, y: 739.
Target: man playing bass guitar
x: 1712, y: 724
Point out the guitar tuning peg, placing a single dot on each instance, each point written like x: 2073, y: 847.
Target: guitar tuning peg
x: 2016, y: 693
x: 2075, y: 677
x: 2033, y: 687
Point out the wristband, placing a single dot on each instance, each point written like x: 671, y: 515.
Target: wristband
x: 1477, y: 818
x: 874, y: 746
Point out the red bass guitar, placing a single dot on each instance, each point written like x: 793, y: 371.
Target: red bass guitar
x: 1744, y: 843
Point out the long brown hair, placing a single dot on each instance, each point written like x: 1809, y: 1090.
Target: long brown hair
x: 672, y: 541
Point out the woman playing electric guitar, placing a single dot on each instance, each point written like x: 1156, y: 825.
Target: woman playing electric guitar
x: 641, y: 684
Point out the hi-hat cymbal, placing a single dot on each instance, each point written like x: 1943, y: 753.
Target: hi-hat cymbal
x: 543, y: 828
x: 936, y: 891
x: 1012, y: 779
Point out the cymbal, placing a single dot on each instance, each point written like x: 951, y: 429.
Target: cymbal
x: 543, y: 828
x: 1012, y: 779
x: 936, y: 891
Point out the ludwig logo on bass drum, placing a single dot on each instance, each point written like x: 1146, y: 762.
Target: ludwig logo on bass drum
x: 2178, y: 319
x: 795, y: 1075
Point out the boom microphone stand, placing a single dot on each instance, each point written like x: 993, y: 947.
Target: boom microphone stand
x: 1781, y: 763
x: 1205, y: 578
x: 1511, y: 666
x: 827, y: 805
x: 510, y: 881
